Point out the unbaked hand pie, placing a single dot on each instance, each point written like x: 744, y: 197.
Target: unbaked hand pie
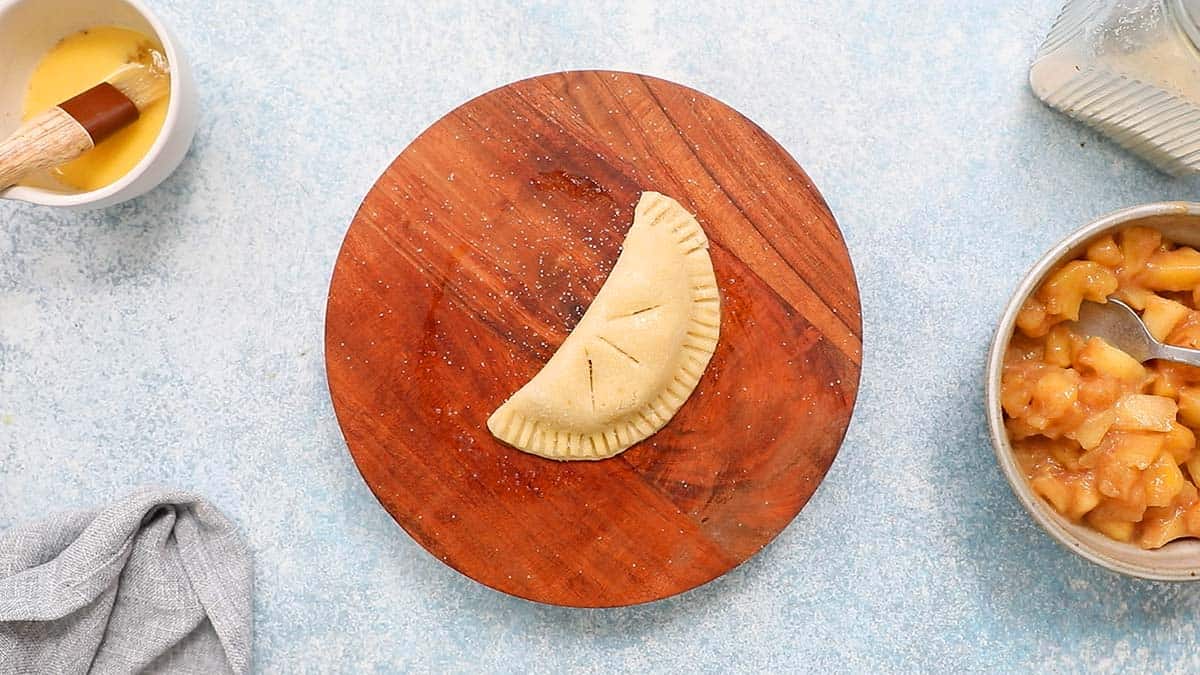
x: 637, y: 353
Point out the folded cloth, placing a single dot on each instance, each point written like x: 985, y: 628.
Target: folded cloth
x: 159, y: 581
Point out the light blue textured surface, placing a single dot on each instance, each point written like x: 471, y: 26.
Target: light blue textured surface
x: 177, y: 339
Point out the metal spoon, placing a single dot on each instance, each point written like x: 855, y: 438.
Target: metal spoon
x: 1121, y: 327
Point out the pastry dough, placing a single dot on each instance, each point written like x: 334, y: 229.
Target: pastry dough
x: 637, y: 353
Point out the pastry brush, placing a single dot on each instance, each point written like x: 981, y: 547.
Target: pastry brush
x: 76, y: 125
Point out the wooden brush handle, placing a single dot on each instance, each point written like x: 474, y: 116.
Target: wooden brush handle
x: 49, y: 139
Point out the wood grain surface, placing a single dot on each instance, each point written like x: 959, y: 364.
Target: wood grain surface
x: 478, y: 250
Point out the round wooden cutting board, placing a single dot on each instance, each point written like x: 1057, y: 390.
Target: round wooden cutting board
x: 478, y: 250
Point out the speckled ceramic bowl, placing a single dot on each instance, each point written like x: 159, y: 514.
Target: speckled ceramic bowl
x: 29, y: 28
x: 1178, y: 560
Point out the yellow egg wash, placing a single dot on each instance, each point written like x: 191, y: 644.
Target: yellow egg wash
x: 77, y: 63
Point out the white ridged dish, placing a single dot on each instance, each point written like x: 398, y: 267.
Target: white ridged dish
x: 1130, y: 71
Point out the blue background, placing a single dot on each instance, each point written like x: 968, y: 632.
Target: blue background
x: 177, y: 339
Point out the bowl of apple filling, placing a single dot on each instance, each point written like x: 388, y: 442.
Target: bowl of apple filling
x: 1099, y: 447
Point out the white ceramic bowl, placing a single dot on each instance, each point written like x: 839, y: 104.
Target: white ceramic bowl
x: 29, y: 28
x: 1178, y: 560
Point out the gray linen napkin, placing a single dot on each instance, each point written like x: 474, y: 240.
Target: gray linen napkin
x: 159, y: 581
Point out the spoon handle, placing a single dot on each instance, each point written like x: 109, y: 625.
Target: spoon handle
x: 1184, y: 355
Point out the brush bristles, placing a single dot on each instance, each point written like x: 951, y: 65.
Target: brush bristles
x: 143, y: 84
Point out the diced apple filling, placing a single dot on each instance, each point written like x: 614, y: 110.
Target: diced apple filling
x: 1104, y: 439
